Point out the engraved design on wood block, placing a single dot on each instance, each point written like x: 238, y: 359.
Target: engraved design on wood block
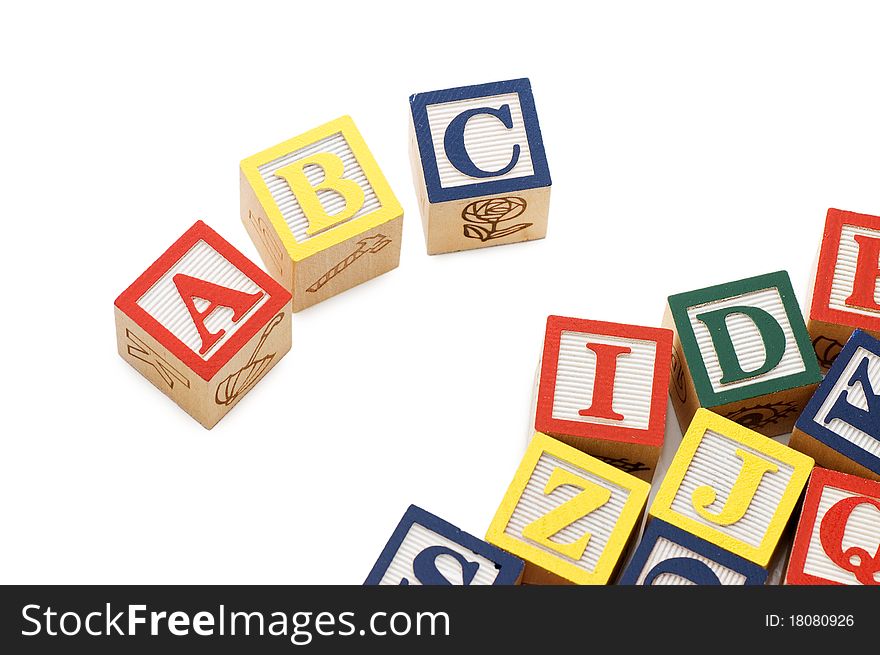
x: 827, y: 350
x: 139, y: 350
x: 760, y: 416
x: 236, y: 384
x: 732, y: 487
x: 838, y: 536
x: 365, y: 246
x: 844, y: 413
x: 678, y: 378
x: 490, y: 212
x: 667, y: 555
x: 567, y: 514
x: 426, y: 550
x: 846, y: 293
x: 272, y: 248
x: 323, y: 196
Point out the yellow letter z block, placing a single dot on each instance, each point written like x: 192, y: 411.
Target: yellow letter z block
x: 568, y: 515
x: 320, y: 212
x: 732, y: 487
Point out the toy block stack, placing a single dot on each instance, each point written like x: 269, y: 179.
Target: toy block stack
x: 738, y: 362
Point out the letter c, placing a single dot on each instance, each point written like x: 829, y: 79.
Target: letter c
x: 456, y: 151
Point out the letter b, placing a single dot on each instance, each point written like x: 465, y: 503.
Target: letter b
x: 307, y: 194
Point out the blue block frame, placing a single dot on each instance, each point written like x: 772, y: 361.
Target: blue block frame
x: 509, y: 567
x: 436, y: 193
x: 656, y: 529
x: 808, y: 425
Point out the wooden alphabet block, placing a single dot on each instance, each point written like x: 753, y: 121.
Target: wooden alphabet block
x: 840, y: 426
x: 838, y: 537
x: 320, y: 212
x: 479, y: 167
x: 742, y: 350
x: 846, y: 291
x: 732, y: 487
x: 667, y: 555
x: 603, y: 389
x: 204, y: 324
x: 426, y: 550
x: 568, y: 515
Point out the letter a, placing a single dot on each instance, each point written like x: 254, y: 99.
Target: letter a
x: 771, y: 334
x: 238, y: 301
x: 740, y: 497
x: 307, y: 195
x: 603, y: 381
x: 867, y: 272
x: 867, y: 421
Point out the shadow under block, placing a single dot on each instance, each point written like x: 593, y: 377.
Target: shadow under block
x: 204, y: 324
x: 667, y: 555
x: 479, y: 166
x: 846, y: 288
x: 570, y: 516
x: 732, y: 487
x: 603, y: 389
x: 426, y: 550
x: 742, y: 350
x: 838, y: 536
x: 321, y: 213
x: 840, y: 426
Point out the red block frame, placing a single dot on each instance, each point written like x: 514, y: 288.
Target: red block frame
x: 819, y: 479
x: 206, y: 369
x: 544, y: 421
x: 819, y: 309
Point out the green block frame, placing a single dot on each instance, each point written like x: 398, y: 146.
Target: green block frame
x: 706, y: 395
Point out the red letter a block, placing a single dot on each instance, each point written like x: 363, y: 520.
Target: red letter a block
x: 204, y: 324
x: 602, y: 389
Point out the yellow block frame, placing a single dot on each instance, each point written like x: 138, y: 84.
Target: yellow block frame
x: 705, y: 420
x: 389, y: 208
x: 617, y: 540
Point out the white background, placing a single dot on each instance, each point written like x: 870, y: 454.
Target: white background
x: 689, y: 145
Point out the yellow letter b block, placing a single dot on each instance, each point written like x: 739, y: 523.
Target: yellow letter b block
x: 320, y: 212
x: 732, y: 487
x: 568, y: 515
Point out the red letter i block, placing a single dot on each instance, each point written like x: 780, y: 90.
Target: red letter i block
x: 204, y: 324
x: 838, y: 536
x: 603, y: 389
x: 846, y: 294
